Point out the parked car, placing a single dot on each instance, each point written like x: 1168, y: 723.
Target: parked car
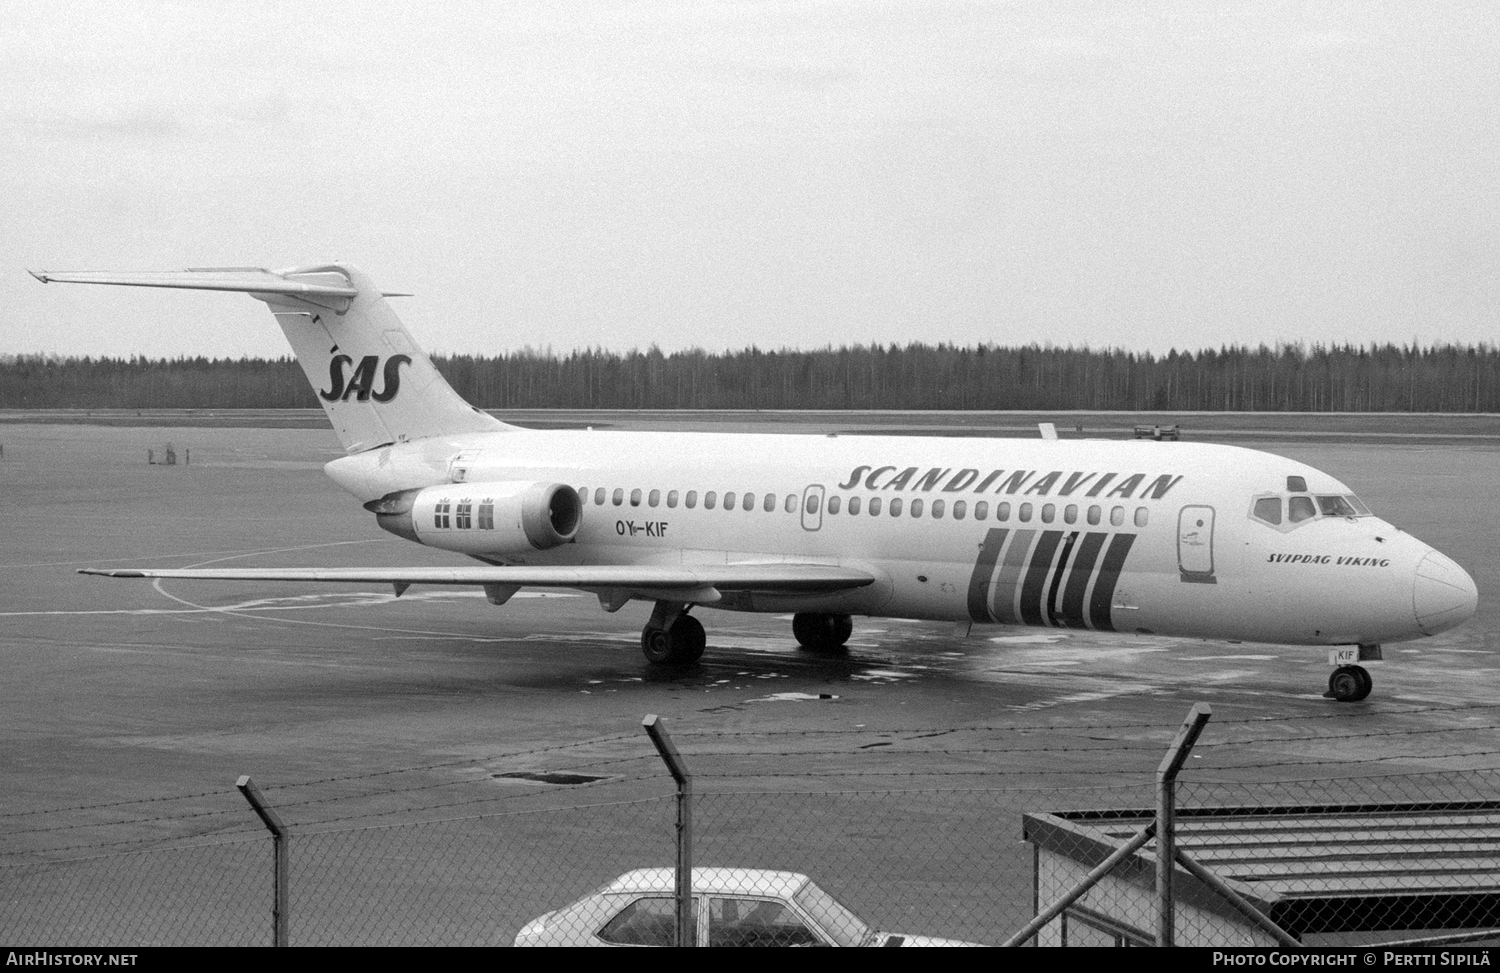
x: 732, y: 907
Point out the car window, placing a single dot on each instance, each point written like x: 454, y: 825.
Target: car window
x: 831, y: 915
x: 757, y: 922
x: 649, y: 921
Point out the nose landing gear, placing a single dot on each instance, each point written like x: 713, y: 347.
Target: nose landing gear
x: 1351, y: 683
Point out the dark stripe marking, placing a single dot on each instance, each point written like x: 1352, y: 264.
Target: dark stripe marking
x: 984, y: 573
x: 1010, y: 576
x: 1036, y: 577
x: 1078, y: 579
x: 1109, y: 576
x: 1055, y: 588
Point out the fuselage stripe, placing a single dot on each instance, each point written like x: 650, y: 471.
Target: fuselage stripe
x: 1055, y: 588
x: 1010, y: 576
x: 1078, y: 579
x: 1109, y: 576
x: 984, y: 573
x: 1036, y: 577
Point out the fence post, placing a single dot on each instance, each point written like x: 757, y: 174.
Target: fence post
x: 687, y: 933
x: 1166, y: 816
x: 280, y: 838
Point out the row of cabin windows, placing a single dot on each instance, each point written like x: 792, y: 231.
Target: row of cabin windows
x: 443, y: 516
x: 873, y: 506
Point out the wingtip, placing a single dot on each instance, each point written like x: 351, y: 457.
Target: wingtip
x: 40, y: 275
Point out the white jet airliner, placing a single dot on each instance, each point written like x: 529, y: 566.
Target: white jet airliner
x: 1146, y: 537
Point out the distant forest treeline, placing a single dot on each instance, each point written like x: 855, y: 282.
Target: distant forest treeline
x: 1290, y: 378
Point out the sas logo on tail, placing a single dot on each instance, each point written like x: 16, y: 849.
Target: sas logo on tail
x: 360, y: 381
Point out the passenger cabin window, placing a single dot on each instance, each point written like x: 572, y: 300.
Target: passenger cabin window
x: 769, y: 506
x: 981, y: 510
x: 619, y: 496
x: 916, y: 508
x: 748, y: 503
x: 791, y: 504
x: 671, y: 499
x: 937, y: 510
x: 729, y: 500
x: 874, y: 506
x: 895, y: 506
x: 1116, y: 516
x: 1002, y: 511
x: 854, y: 505
x: 654, y: 498
x: 692, y: 499
x: 599, y: 497
x: 1095, y: 514
x: 710, y: 500
x: 960, y: 508
x: 1024, y: 513
x: 812, y: 503
x: 834, y: 503
x: 1049, y: 511
x: 635, y: 498
x: 1142, y: 516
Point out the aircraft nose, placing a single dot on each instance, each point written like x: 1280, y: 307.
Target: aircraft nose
x: 1443, y: 595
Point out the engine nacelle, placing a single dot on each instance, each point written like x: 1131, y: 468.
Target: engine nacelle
x: 505, y: 517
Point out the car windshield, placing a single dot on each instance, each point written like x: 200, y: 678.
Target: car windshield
x: 843, y: 926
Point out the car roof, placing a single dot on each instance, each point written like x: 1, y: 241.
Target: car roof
x: 742, y: 881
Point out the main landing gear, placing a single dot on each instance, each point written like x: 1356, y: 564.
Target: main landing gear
x: 672, y: 636
x: 822, y: 632
x: 1351, y: 683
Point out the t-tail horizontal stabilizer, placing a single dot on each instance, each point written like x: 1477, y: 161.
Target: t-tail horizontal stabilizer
x: 377, y: 386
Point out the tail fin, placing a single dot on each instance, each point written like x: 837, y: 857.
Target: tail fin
x: 376, y: 385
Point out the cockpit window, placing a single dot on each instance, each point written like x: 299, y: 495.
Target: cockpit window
x: 1335, y: 507
x: 1289, y: 512
x: 1296, y: 484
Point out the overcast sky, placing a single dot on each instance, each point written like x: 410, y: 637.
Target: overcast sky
x: 1132, y: 174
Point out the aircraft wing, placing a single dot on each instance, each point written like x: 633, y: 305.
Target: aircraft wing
x: 701, y: 584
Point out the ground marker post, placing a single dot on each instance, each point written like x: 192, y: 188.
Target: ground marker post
x: 280, y: 838
x: 687, y: 933
x: 1166, y: 816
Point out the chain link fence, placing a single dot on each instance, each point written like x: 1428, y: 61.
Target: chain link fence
x: 821, y: 836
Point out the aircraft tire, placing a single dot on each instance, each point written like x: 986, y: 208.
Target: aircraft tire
x: 1366, y: 683
x: 820, y: 631
x: 1349, y: 684
x: 687, y: 639
x: 655, y: 645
